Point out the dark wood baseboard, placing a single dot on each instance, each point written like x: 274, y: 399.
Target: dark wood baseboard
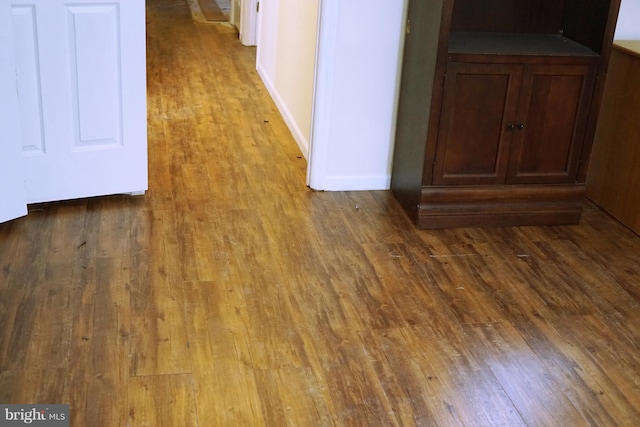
x: 453, y: 206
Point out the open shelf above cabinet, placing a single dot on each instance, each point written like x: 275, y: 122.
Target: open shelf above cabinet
x: 516, y: 44
x: 584, y: 21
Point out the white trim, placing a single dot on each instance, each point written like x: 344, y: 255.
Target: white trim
x: 356, y: 183
x: 322, y: 93
x: 288, y: 117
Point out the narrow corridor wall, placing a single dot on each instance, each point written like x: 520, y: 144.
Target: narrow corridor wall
x: 286, y: 61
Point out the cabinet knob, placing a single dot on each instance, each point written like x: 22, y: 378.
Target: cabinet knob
x: 513, y: 126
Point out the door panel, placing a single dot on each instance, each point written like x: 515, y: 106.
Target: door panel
x: 12, y: 191
x: 554, y: 111
x: 25, y: 42
x: 249, y: 22
x: 473, y: 142
x: 81, y: 68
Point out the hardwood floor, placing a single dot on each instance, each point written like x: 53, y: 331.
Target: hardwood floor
x: 232, y: 295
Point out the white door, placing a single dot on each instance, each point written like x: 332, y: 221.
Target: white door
x: 82, y: 96
x: 13, y: 199
x: 249, y: 22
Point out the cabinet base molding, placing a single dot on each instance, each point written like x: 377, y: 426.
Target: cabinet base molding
x: 499, y: 206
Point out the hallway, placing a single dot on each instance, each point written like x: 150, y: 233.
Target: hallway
x: 233, y: 295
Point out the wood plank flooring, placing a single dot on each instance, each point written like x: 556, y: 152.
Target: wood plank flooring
x: 212, y: 11
x: 232, y: 295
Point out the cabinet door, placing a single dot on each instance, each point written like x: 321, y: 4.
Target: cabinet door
x: 551, y: 123
x: 474, y: 137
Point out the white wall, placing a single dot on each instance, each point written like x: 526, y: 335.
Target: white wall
x: 286, y: 61
x: 353, y: 111
x: 628, y: 21
x: 357, y: 80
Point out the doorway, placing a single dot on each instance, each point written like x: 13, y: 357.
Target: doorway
x: 241, y: 14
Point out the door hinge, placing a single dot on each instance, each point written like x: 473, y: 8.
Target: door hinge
x: 408, y: 26
x: 258, y: 7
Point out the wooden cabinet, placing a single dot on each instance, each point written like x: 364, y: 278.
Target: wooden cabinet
x: 498, y: 105
x: 512, y: 123
x: 613, y: 181
x: 551, y: 123
x: 477, y: 125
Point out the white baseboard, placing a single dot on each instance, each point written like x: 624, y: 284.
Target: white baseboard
x: 288, y: 117
x: 356, y: 183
